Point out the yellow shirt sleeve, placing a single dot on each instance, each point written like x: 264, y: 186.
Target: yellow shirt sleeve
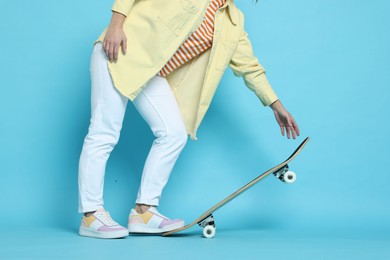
x: 244, y: 63
x: 122, y: 6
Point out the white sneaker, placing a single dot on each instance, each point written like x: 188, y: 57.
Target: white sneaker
x: 152, y: 222
x: 101, y: 225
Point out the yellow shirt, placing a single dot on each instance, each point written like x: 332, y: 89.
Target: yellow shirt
x: 156, y: 29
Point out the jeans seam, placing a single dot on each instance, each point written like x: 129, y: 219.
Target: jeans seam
x: 166, y: 129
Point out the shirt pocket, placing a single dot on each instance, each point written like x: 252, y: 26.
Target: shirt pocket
x: 176, y: 19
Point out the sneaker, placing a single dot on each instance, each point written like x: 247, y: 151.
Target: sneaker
x: 101, y: 225
x: 152, y: 222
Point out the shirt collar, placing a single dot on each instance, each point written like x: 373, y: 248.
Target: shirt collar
x: 232, y: 11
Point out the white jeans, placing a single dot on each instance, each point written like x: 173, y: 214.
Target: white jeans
x: 157, y: 105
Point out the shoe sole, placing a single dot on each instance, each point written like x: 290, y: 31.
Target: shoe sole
x: 86, y: 232
x: 140, y: 228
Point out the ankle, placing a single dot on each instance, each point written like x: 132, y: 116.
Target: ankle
x: 87, y: 214
x: 141, y: 208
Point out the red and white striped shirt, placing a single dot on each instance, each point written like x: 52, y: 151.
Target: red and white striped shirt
x: 197, y: 42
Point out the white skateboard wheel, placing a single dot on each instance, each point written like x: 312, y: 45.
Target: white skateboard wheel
x: 209, y: 231
x: 289, y: 177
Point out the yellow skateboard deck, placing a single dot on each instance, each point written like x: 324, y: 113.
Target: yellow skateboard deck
x: 206, y: 220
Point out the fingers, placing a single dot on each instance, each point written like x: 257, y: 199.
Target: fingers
x: 109, y: 49
x: 115, y: 51
x: 290, y: 127
x: 288, y: 131
x: 282, y: 130
x: 296, y: 128
x: 112, y: 51
x: 124, y: 46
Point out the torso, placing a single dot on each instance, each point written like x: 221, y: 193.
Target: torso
x: 196, y: 43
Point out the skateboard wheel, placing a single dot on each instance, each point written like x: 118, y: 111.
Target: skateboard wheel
x: 209, y: 231
x: 289, y: 177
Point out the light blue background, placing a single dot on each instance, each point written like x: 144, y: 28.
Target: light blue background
x: 327, y: 60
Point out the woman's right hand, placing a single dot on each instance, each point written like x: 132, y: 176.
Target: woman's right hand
x: 115, y: 37
x: 285, y: 120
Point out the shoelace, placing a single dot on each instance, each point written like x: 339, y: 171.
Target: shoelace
x: 106, y: 218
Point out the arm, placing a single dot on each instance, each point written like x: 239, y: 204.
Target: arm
x: 115, y: 36
x: 244, y: 63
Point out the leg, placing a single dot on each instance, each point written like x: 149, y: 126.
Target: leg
x: 107, y: 112
x: 157, y: 105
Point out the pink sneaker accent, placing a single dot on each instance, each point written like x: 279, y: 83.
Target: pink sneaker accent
x: 101, y: 225
x: 152, y: 222
x: 168, y: 222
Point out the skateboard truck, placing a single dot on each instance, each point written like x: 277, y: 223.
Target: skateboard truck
x: 285, y: 175
x: 208, y: 225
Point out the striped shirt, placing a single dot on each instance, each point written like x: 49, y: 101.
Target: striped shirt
x: 197, y: 42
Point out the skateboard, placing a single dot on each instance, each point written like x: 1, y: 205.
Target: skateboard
x: 206, y: 220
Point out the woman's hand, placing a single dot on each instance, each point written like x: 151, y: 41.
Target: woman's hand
x: 285, y: 120
x: 115, y: 37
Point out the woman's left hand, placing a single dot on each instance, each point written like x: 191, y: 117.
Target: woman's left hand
x: 285, y: 120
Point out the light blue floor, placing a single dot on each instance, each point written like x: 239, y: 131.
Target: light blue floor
x: 47, y: 243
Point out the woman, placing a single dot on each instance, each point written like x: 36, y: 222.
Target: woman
x: 167, y: 57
